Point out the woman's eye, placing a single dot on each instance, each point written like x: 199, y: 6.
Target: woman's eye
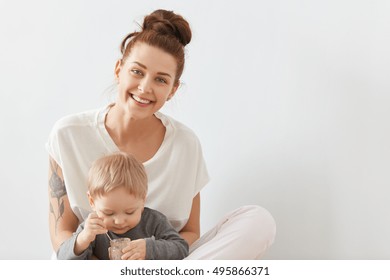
x: 137, y: 72
x: 161, y: 80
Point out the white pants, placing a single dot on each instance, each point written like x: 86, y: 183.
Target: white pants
x: 243, y: 234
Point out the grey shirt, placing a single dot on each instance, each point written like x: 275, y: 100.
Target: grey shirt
x: 162, y: 240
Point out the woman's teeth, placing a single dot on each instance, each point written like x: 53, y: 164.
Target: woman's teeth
x: 140, y: 100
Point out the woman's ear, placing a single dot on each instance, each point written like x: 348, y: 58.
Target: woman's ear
x: 174, y: 89
x: 91, y: 202
x: 118, y: 68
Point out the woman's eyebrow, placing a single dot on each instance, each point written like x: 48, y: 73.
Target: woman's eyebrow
x: 140, y: 64
x: 159, y: 73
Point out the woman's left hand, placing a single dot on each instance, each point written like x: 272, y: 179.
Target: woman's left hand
x: 135, y: 251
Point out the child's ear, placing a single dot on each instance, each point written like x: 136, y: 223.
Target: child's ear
x: 91, y: 202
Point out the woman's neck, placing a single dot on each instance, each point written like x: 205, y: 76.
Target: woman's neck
x: 125, y: 128
x: 139, y: 137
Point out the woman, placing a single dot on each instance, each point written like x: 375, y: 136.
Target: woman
x: 148, y: 75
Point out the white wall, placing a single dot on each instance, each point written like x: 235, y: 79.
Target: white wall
x: 289, y: 98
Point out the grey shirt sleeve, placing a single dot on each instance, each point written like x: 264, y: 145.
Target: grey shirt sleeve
x: 66, y: 250
x: 166, y: 243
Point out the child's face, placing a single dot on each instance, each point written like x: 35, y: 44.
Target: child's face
x: 119, y: 210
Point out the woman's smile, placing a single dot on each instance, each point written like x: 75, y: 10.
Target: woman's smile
x: 140, y: 100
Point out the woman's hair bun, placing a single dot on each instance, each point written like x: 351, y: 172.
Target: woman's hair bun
x: 168, y: 23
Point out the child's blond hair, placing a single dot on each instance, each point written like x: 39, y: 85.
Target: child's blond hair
x: 117, y: 170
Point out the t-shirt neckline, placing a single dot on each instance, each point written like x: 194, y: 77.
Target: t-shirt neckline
x: 112, y: 147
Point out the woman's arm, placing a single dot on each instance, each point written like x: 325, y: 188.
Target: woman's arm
x: 191, y: 231
x: 62, y: 221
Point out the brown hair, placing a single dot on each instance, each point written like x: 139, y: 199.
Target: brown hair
x: 117, y: 170
x: 165, y: 30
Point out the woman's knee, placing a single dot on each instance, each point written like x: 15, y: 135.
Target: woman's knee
x: 263, y: 224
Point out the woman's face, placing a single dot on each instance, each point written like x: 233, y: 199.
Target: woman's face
x: 146, y: 79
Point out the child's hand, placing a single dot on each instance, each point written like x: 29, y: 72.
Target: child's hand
x: 135, y: 251
x: 93, y: 226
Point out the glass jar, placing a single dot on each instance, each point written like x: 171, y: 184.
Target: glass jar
x: 115, y: 251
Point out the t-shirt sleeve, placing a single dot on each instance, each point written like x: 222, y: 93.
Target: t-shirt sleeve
x: 202, y: 175
x: 52, y: 145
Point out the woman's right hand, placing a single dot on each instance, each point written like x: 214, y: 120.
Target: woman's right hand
x: 62, y: 221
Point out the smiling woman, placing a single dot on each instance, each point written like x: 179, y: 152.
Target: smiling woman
x: 146, y: 80
x: 148, y: 74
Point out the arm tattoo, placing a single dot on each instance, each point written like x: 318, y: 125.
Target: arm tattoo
x: 57, y: 190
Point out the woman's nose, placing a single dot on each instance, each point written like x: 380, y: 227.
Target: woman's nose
x: 145, y: 85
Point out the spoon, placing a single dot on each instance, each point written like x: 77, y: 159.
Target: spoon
x: 108, y: 236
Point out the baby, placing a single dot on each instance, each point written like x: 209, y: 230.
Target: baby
x: 117, y: 188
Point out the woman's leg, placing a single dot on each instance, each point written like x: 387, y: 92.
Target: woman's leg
x: 245, y: 233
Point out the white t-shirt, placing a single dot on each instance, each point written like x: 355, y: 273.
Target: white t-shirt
x: 176, y: 173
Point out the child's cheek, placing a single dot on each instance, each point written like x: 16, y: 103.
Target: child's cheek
x: 106, y: 222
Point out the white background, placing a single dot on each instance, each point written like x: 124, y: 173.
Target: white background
x: 290, y: 100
